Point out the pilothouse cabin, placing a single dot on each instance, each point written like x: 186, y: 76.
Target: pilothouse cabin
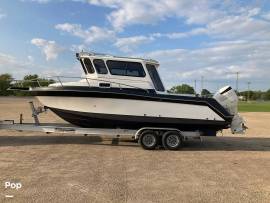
x: 106, y: 71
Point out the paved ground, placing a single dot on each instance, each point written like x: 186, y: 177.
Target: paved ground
x: 57, y: 168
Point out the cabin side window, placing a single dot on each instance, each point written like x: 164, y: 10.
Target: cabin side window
x: 100, y: 66
x: 155, y: 77
x: 125, y: 68
x: 88, y: 65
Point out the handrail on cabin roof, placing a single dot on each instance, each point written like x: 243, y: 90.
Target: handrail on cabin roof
x: 82, y: 54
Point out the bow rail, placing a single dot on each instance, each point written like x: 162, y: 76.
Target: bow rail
x: 46, y: 81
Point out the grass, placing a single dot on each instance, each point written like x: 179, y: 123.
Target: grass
x: 254, y: 106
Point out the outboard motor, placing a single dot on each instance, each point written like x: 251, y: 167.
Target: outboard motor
x: 228, y: 98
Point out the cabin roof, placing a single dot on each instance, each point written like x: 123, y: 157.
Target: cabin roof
x: 107, y: 56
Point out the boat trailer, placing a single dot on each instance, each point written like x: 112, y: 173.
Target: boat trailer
x: 148, y: 137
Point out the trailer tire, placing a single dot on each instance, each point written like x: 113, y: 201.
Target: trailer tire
x: 172, y: 140
x: 148, y: 140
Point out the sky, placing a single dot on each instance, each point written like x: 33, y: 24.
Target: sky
x: 191, y: 39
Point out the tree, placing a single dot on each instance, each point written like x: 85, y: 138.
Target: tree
x: 255, y: 95
x: 5, y: 80
x: 35, y: 81
x: 30, y: 77
x: 267, y: 95
x: 31, y: 81
x: 182, y: 89
x: 205, y: 92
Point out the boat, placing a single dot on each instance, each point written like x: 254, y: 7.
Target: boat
x: 128, y: 93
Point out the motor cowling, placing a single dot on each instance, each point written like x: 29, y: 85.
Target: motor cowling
x: 228, y: 98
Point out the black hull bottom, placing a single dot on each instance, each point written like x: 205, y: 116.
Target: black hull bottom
x: 94, y: 120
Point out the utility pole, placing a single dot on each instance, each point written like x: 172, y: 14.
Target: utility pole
x: 202, y: 81
x: 248, y: 83
x: 237, y: 80
x: 195, y: 85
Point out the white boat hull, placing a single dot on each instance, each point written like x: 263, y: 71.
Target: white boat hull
x: 85, y: 111
x: 131, y: 107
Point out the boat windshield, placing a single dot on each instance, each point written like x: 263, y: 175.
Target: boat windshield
x: 155, y: 77
x: 84, y: 69
x: 88, y: 65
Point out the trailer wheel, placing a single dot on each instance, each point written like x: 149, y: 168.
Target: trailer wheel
x: 172, y: 140
x: 148, y: 140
